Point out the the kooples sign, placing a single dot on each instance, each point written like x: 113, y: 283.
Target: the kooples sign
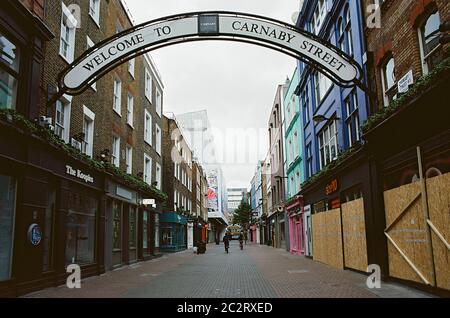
x: 190, y: 26
x: 79, y: 174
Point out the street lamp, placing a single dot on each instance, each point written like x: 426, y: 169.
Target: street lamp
x: 321, y: 118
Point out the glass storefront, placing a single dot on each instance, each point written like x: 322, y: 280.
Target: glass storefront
x: 48, y: 232
x: 7, y: 217
x: 80, y: 229
x: 145, y: 232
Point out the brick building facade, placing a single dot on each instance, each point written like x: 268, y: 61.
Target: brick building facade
x: 408, y: 139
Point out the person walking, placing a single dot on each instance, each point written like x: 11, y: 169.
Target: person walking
x: 226, y: 242
x: 241, y: 241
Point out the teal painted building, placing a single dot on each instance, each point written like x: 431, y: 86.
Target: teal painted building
x: 173, y: 232
x: 293, y: 139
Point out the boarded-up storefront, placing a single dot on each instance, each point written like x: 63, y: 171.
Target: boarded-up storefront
x: 339, y: 237
x: 418, y: 230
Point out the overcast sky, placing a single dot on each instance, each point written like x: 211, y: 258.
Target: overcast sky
x: 234, y: 82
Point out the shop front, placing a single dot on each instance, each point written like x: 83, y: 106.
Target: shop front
x: 121, y: 225
x: 51, y: 214
x: 253, y: 235
x: 173, y: 232
x: 338, y: 213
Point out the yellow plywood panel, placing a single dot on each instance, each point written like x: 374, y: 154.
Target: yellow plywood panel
x: 327, y: 238
x: 355, y: 242
x: 409, y: 233
x: 438, y: 190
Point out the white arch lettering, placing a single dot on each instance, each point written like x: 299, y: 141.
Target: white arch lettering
x: 230, y: 26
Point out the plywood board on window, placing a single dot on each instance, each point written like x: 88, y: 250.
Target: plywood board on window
x: 409, y: 233
x: 438, y: 189
x: 354, y: 233
x: 327, y: 238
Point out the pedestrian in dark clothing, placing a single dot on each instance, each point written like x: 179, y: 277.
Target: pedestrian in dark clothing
x: 226, y: 241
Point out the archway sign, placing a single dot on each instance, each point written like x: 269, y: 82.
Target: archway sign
x: 200, y: 26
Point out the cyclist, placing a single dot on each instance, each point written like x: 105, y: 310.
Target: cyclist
x: 241, y: 240
x: 226, y: 241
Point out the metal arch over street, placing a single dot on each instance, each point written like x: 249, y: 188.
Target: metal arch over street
x: 211, y: 25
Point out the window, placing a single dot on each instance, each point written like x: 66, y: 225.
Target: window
x: 115, y: 156
x: 158, y: 176
x: 429, y: 42
x: 94, y: 10
x: 309, y: 161
x: 131, y: 66
x: 352, y: 121
x: 80, y: 228
x: 130, y: 110
x: 88, y: 131
x: 158, y: 103
x: 328, y: 144
x: 323, y: 85
x: 349, y: 32
x: 62, y: 118
x: 388, y: 80
x: 147, y: 169
x: 319, y: 16
x: 158, y: 140
x: 9, y: 73
x: 148, y: 85
x: 7, y: 221
x: 117, y: 105
x: 341, y: 35
x: 148, y: 128
x: 90, y: 44
x: 129, y: 159
x: 175, y: 200
x: 305, y: 105
x: 67, y: 36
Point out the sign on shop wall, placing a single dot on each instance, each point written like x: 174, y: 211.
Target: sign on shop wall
x: 209, y: 26
x: 332, y: 187
x: 77, y: 173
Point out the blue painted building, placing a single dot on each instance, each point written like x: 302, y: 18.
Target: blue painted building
x: 173, y: 232
x: 345, y: 109
x: 331, y: 122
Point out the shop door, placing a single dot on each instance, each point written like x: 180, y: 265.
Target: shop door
x: 299, y: 236
x: 309, y: 235
x: 146, y: 234
x: 117, y: 233
x: 132, y: 234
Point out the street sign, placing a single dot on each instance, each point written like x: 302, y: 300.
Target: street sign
x: 220, y: 25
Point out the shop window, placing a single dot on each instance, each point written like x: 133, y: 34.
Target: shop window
x: 166, y: 235
x: 47, y: 264
x: 352, y: 194
x: 7, y: 218
x: 145, y: 232
x: 9, y: 73
x: 80, y: 229
x: 117, y: 226
x: 156, y: 230
x: 430, y: 51
x: 132, y: 228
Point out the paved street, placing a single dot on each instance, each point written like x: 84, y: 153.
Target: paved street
x: 256, y: 272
